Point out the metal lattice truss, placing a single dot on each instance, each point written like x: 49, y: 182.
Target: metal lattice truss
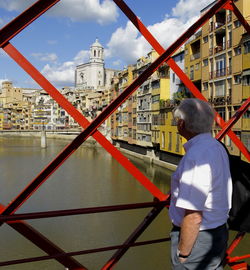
x: 90, y: 129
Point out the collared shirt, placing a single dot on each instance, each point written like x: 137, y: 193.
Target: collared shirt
x: 202, y: 181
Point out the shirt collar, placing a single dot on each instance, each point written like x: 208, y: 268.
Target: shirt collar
x: 195, y: 139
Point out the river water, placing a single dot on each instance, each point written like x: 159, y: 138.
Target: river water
x: 89, y: 178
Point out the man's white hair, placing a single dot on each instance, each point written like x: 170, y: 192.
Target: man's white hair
x: 197, y: 114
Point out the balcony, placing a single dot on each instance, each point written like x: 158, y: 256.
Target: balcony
x: 220, y: 47
x: 220, y: 73
x: 218, y: 24
x: 195, y: 56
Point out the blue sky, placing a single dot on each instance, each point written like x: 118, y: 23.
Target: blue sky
x: 60, y: 39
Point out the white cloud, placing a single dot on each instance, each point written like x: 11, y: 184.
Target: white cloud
x: 64, y: 74
x: 101, y: 11
x: 15, y: 5
x: 60, y: 75
x: 127, y: 45
x: 187, y: 9
x: 52, y: 42
x: 48, y: 57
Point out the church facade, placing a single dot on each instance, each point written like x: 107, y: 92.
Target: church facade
x: 93, y: 75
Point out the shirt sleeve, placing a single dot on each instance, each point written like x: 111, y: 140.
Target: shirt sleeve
x: 194, y: 185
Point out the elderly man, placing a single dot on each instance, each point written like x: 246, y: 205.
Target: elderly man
x: 201, y: 190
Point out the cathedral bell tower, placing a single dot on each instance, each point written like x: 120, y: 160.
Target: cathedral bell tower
x: 96, y: 53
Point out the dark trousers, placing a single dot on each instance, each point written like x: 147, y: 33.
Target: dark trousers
x: 207, y: 253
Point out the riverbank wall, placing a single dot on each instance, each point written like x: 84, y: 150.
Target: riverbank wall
x: 148, y: 157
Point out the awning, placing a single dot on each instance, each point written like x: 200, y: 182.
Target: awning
x: 246, y: 72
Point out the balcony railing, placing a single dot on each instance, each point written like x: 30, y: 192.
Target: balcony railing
x: 220, y: 47
x: 218, y: 24
x: 195, y: 56
x: 220, y: 73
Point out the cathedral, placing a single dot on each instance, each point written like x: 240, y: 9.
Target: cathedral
x: 93, y: 75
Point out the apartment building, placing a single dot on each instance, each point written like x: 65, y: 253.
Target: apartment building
x: 170, y: 140
x: 193, y: 59
x: 225, y: 68
x: 160, y: 92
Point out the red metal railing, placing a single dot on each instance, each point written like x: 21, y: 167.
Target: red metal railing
x: 22, y: 21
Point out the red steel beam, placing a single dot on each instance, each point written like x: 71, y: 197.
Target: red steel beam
x: 233, y: 120
x: 43, y: 243
x: 81, y: 211
x: 83, y: 252
x: 238, y: 258
x: 23, y: 20
x: 68, y: 150
x: 134, y: 236
x: 188, y: 83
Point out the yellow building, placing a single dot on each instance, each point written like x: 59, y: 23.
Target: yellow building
x: 121, y: 120
x: 225, y: 68
x: 160, y: 91
x: 1, y: 118
x: 10, y: 94
x: 193, y: 59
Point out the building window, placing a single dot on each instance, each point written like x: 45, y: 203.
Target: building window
x: 170, y: 141
x: 173, y: 78
x: 237, y: 79
x: 205, y: 39
x: 247, y: 47
x: 246, y: 80
x: 220, y: 88
x: 191, y: 72
x: 205, y: 86
x: 221, y: 112
x: 237, y: 24
x: 237, y: 50
x: 197, y: 66
x: 246, y: 140
x: 205, y: 62
x: 155, y: 84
